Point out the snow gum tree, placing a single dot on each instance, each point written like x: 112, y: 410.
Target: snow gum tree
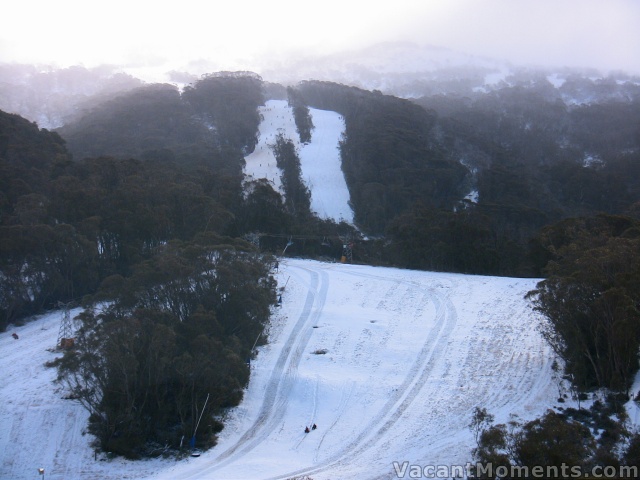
x: 170, y: 346
x: 298, y: 196
x: 591, y: 299
x: 548, y: 442
x: 301, y: 115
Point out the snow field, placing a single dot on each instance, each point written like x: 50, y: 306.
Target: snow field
x: 408, y: 356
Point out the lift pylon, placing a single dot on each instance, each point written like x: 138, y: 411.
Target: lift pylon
x: 66, y: 333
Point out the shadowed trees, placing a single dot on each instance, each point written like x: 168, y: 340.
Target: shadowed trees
x: 551, y: 444
x: 567, y: 444
x: 301, y: 115
x: 227, y: 104
x: 590, y: 298
x: 178, y: 330
x: 297, y: 195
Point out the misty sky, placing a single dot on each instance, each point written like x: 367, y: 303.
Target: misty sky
x: 242, y: 34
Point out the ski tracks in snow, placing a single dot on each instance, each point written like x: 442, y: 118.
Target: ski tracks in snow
x: 408, y: 357
x: 283, y: 376
x: 415, y: 378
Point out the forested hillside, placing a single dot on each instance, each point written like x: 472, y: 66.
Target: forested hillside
x: 53, y: 96
x: 464, y: 184
x: 216, y: 119
x: 32, y: 250
x: 154, y: 233
x: 536, y: 160
x: 454, y: 183
x: 143, y: 198
x: 389, y: 157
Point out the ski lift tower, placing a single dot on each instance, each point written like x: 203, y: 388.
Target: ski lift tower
x: 66, y: 331
x: 253, y: 238
x: 347, y: 249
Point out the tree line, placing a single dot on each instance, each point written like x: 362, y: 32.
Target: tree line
x: 301, y: 115
x: 591, y: 300
x: 560, y: 444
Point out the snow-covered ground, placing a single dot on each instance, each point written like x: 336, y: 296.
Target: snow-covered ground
x: 319, y: 159
x: 388, y: 363
x: 408, y: 356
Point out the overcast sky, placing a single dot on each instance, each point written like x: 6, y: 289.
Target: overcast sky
x: 236, y: 34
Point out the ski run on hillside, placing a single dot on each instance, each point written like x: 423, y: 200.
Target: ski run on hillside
x: 319, y: 159
x: 387, y: 363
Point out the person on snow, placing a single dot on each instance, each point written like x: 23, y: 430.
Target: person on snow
x: 306, y: 430
x: 314, y: 427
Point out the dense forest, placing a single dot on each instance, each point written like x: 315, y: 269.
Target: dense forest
x: 530, y: 159
x: 138, y: 205
x: 172, y: 345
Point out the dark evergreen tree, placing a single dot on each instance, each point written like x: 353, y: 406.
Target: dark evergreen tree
x: 590, y: 298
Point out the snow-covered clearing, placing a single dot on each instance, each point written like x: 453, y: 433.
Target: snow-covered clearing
x: 319, y: 159
x: 407, y: 356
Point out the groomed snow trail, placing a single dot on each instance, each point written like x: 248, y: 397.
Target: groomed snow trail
x: 320, y: 160
x: 408, y: 356
x: 283, y: 375
x: 388, y: 363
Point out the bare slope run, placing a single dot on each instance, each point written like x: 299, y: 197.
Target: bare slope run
x: 319, y: 159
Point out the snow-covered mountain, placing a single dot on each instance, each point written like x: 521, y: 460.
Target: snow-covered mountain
x: 388, y: 363
x: 376, y: 66
x: 52, y: 97
x: 409, y: 70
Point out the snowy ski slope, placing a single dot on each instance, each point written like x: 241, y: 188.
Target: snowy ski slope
x: 408, y: 356
x: 388, y: 363
x: 319, y: 159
